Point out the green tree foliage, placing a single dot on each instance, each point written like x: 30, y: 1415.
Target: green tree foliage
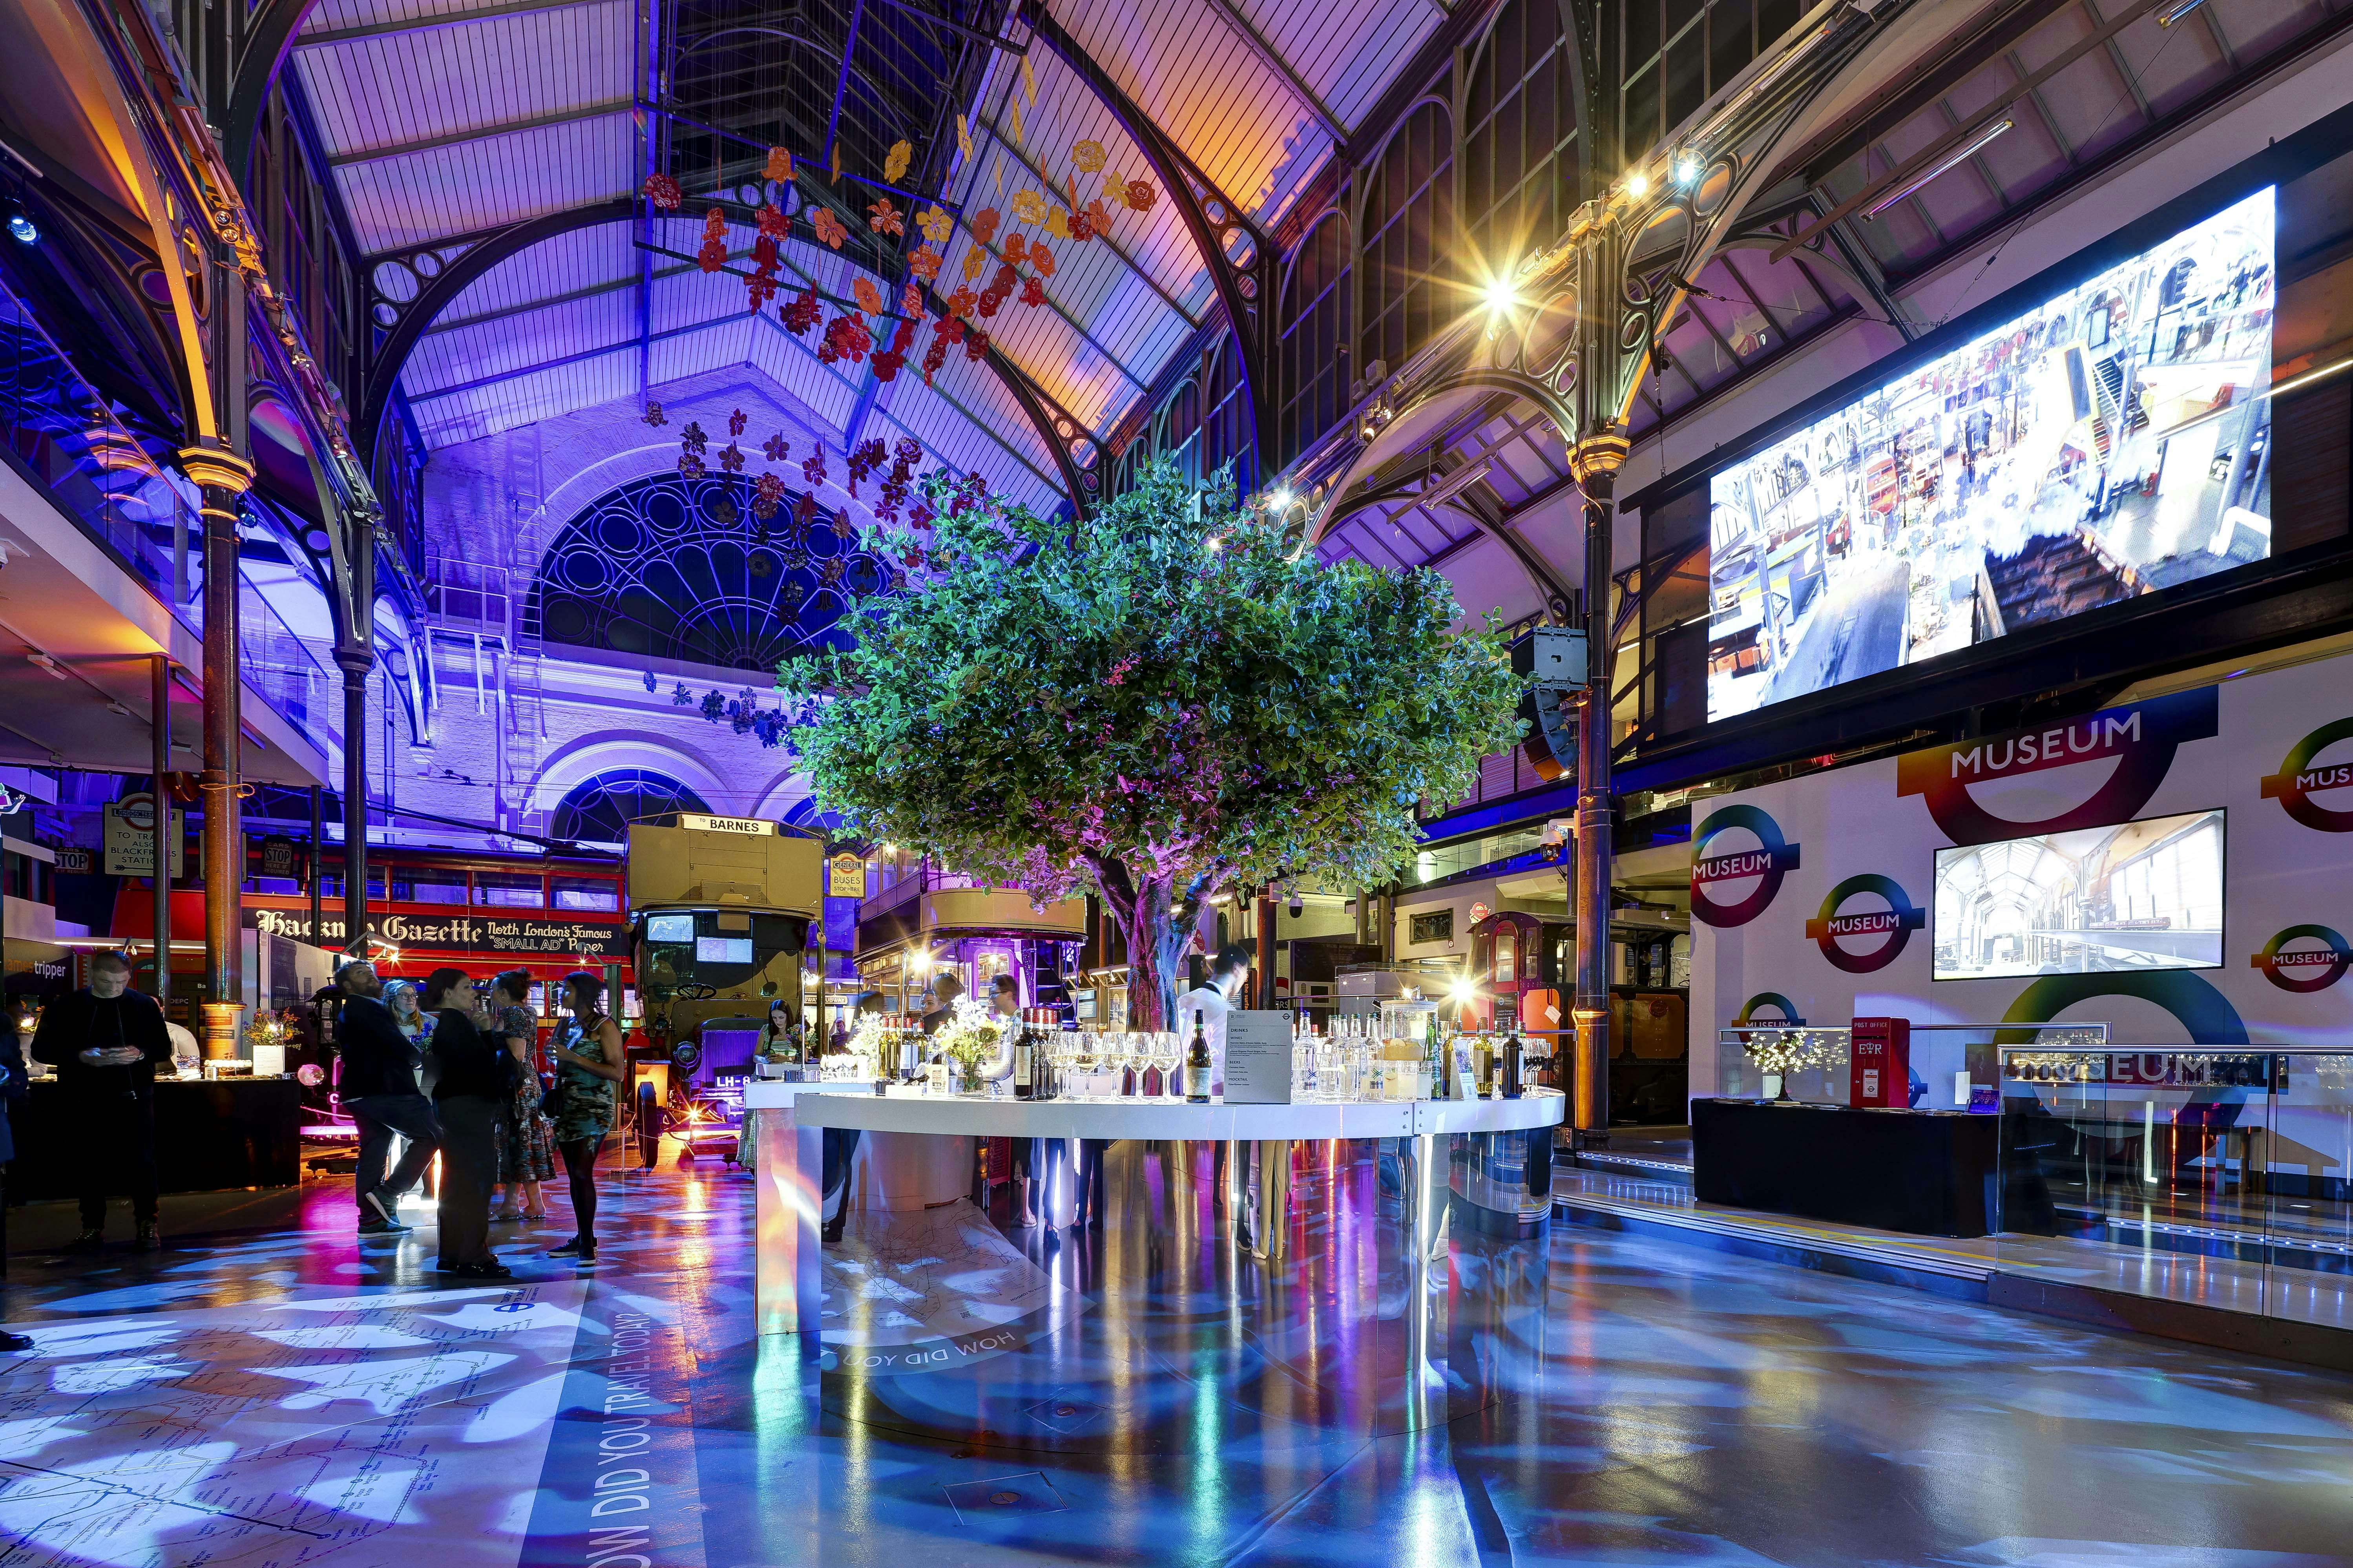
x: 1171, y: 700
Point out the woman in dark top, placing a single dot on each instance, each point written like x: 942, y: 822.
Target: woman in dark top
x: 470, y: 1094
x: 590, y: 1066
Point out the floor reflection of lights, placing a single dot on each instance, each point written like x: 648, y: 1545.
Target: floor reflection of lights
x: 309, y: 1399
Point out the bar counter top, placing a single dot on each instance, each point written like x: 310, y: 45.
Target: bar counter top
x: 1093, y: 1117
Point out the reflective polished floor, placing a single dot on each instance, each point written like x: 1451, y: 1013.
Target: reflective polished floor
x: 305, y: 1397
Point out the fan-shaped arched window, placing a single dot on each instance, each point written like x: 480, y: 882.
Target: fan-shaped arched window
x: 1313, y: 371
x: 1411, y: 251
x: 599, y: 808
x: 1518, y: 163
x: 670, y: 567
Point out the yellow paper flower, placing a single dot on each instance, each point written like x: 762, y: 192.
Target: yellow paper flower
x: 894, y: 164
x: 973, y: 263
x: 1089, y: 157
x: 1058, y: 224
x: 935, y: 224
x: 1029, y: 206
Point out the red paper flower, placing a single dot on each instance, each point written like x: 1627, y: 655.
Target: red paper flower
x: 846, y: 338
x: 765, y: 493
x: 1081, y: 227
x: 690, y: 465
x: 805, y: 510
x: 949, y: 329
x: 989, y: 301
x: 975, y: 346
x: 654, y: 414
x: 1005, y: 280
x: 1140, y: 196
x: 984, y: 223
x: 713, y: 255
x: 934, y: 357
x: 775, y: 448
x: 887, y: 362
x: 907, y: 450
x: 910, y: 302
x: 663, y: 191
x: 829, y: 229
x: 692, y: 438
x: 925, y: 263
x: 773, y: 221
x: 731, y: 457
x: 813, y: 472
x: 1033, y: 293
x: 804, y: 312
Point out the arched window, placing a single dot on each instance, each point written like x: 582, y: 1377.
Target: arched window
x: 1226, y: 434
x: 670, y: 567
x: 1312, y: 371
x: 1519, y: 174
x: 599, y: 808
x: 1409, y: 221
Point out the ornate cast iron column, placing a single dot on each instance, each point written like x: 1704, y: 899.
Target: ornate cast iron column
x: 224, y: 477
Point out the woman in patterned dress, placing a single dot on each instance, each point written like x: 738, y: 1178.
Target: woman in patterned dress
x: 526, y: 1138
x: 588, y: 1071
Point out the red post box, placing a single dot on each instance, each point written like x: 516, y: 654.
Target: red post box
x: 1880, y: 1062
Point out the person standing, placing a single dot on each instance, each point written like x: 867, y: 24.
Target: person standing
x: 471, y: 1093
x: 526, y: 1138
x: 12, y: 1092
x: 105, y: 1041
x: 588, y: 1070
x: 947, y: 989
x: 1229, y: 974
x: 377, y: 1085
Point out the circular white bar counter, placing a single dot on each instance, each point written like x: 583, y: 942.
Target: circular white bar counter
x: 1384, y: 1259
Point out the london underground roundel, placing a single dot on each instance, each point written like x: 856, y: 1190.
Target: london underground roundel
x: 1762, y: 867
x: 2301, y: 968
x: 2138, y: 743
x: 2298, y: 780
x: 1884, y: 933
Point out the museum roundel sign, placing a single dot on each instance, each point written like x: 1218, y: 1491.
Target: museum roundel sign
x: 2139, y: 740
x: 1764, y: 865
x: 1773, y: 999
x: 2303, y: 968
x: 2298, y: 780
x: 1892, y: 926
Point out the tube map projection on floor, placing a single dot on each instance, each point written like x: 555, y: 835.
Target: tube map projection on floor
x: 2110, y: 444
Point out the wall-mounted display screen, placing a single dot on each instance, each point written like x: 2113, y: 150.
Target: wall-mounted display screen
x: 2139, y: 895
x: 2107, y: 445
x: 722, y: 950
x: 669, y: 927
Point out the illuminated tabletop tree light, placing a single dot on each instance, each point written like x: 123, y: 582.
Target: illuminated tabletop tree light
x: 1158, y: 703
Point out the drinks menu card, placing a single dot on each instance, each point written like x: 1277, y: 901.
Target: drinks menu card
x: 1258, y: 1058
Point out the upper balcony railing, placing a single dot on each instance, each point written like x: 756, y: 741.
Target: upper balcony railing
x: 66, y: 438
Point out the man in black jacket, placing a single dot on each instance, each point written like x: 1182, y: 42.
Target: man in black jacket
x: 105, y: 1041
x: 378, y: 1087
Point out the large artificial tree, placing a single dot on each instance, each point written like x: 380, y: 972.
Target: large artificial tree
x: 1167, y: 700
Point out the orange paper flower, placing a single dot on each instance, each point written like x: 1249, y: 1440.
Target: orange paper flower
x: 924, y: 264
x: 829, y: 229
x: 884, y: 218
x: 780, y: 166
x: 911, y: 302
x: 869, y: 298
x: 1041, y: 258
x: 1140, y: 196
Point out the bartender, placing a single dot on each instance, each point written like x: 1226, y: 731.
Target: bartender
x: 1229, y: 974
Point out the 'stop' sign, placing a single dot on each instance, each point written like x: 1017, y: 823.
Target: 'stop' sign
x: 752, y: 826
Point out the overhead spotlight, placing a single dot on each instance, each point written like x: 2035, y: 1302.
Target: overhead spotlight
x: 1282, y: 499
x: 1638, y: 185
x: 2175, y: 12
x: 1463, y: 989
x: 22, y: 228
x: 1688, y: 169
x: 1950, y: 161
x: 1502, y: 296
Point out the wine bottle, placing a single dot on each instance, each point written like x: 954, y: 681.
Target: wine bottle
x: 1513, y: 1082
x: 1435, y: 1055
x: 1025, y: 1064
x: 1197, y: 1065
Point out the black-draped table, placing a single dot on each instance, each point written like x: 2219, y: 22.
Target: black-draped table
x: 1924, y: 1172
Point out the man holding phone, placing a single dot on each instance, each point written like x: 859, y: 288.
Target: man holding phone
x: 105, y: 1041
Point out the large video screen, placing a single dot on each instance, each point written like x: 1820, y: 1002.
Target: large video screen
x: 2139, y: 895
x: 2110, y: 444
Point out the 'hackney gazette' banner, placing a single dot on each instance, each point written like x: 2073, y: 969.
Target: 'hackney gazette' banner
x: 1816, y: 897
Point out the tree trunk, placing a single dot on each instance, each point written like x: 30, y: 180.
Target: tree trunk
x: 1156, y: 948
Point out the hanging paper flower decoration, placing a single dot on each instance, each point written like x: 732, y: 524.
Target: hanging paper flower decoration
x: 829, y: 229
x: 934, y: 357
x: 1088, y: 157
x: 960, y: 304
x: 1033, y: 293
x: 935, y: 223
x: 984, y: 224
x: 1140, y: 196
x: 883, y: 217
x: 654, y: 414
x: 895, y: 161
x: 775, y: 448
x: 1015, y: 247
x: 1114, y: 188
x: 805, y: 510
x: 760, y: 283
x: 837, y: 162
x: 766, y: 492
x: 846, y: 338
x: 1098, y: 216
x: 690, y: 465
x: 1041, y: 258
x: 1029, y: 206
x: 830, y: 571
x: 973, y: 260
x: 803, y: 311
x: 780, y: 166
x: 731, y: 457
x: 1058, y: 224
x: 692, y: 438
x: 869, y: 298
x: 663, y: 191
x: 865, y: 458
x: 975, y: 346
x: 907, y: 450
x: 924, y: 264
x: 910, y: 305
x: 736, y: 422
x: 773, y: 221
x: 887, y: 362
